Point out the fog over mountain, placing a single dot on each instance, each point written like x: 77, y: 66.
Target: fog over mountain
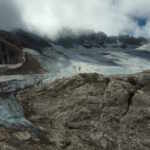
x: 48, y: 17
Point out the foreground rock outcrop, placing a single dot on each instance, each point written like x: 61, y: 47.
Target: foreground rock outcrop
x: 85, y: 112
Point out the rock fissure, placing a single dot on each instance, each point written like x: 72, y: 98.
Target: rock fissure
x: 130, y: 99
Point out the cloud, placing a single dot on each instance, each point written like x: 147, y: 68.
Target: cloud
x: 50, y: 16
x: 9, y: 15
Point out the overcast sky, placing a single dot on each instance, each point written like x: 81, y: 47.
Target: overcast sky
x: 49, y: 16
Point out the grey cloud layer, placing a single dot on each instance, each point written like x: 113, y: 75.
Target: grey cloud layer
x: 9, y: 15
x: 110, y: 16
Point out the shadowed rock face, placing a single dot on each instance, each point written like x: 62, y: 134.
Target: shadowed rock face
x: 14, y: 61
x: 85, y: 112
x: 10, y: 54
x: 25, y: 39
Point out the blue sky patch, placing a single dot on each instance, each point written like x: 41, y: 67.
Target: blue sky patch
x: 141, y: 21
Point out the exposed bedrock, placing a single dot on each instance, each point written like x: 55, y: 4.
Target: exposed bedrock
x: 85, y: 112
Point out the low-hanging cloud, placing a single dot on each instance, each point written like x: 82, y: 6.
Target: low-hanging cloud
x: 50, y: 16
